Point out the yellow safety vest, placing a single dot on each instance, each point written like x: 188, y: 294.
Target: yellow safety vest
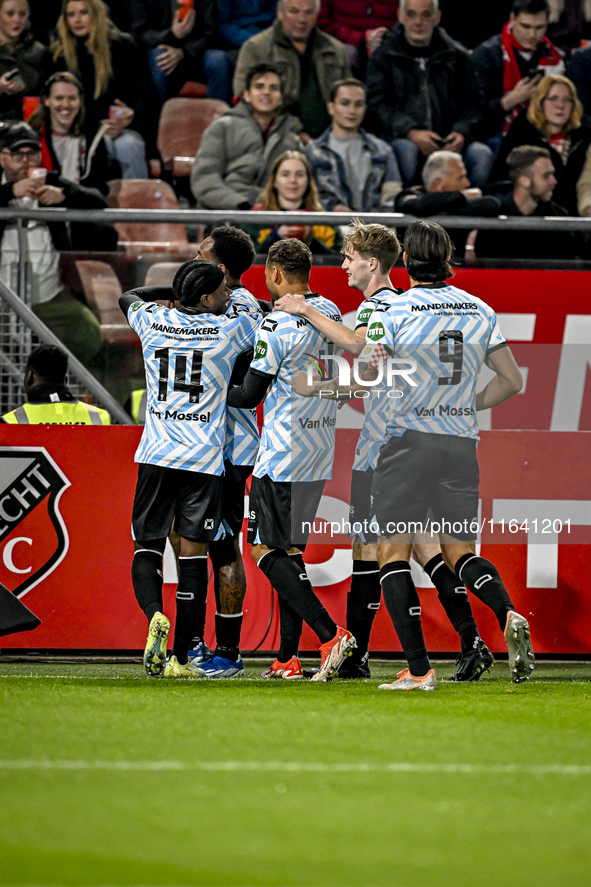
x: 138, y: 405
x: 60, y: 413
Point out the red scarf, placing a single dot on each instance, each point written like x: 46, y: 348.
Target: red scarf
x: 512, y: 75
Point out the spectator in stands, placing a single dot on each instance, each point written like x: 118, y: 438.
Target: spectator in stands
x: 49, y: 400
x: 532, y: 176
x: 309, y: 60
x: 54, y: 304
x: 354, y: 171
x: 68, y: 146
x: 570, y: 22
x: 510, y: 65
x: 238, y: 150
x: 578, y: 70
x: 423, y: 92
x: 291, y: 186
x: 177, y: 38
x: 24, y: 62
x: 359, y: 25
x: 553, y: 120
x: 238, y: 21
x: 113, y: 74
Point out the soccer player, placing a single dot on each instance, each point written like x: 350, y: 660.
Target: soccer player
x: 370, y: 253
x: 428, y: 461
x: 294, y: 461
x: 189, y: 353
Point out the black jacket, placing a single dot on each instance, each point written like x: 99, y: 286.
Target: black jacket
x: 80, y: 235
x: 34, y: 63
x: 152, y: 20
x: 438, y: 92
x: 522, y: 132
x: 511, y: 244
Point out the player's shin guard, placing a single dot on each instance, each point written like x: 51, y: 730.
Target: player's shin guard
x: 227, y: 632
x: 402, y: 601
x: 191, y: 598
x: 454, y: 600
x: 147, y: 578
x: 293, y: 585
x: 363, y: 602
x: 482, y: 578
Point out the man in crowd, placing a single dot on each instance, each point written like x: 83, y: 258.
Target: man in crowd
x: 189, y: 353
x: 423, y: 93
x: 49, y: 400
x: 354, y: 171
x: 532, y: 174
x: 511, y: 64
x: 51, y: 300
x: 293, y: 463
x: 309, y: 60
x: 370, y: 253
x: 238, y: 150
x: 427, y: 463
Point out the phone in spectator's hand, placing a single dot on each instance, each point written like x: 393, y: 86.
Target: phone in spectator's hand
x: 183, y: 7
x: 537, y: 72
x: 14, y: 74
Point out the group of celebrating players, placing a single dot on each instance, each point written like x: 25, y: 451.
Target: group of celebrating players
x: 213, y: 352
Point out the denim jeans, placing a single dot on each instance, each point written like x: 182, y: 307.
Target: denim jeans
x: 129, y: 150
x: 216, y: 68
x: 478, y: 158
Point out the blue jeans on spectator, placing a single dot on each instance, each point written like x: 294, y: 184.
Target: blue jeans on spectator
x: 129, y: 150
x: 216, y: 68
x: 478, y: 158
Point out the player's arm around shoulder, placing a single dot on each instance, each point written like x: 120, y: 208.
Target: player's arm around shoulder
x: 334, y: 330
x: 139, y: 297
x: 507, y: 382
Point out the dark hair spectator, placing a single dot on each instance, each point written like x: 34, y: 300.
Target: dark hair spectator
x: 24, y: 62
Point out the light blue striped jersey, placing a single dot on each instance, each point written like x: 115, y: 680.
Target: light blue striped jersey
x: 371, y: 436
x: 188, y: 360
x: 298, y: 437
x: 440, y: 337
x: 242, y: 432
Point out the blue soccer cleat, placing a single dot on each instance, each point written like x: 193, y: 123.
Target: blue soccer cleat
x: 199, y: 652
x: 219, y: 667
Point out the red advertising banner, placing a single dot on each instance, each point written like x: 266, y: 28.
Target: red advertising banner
x: 65, y: 544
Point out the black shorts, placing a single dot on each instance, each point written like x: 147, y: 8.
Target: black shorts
x: 190, y: 499
x: 281, y: 513
x: 418, y: 472
x: 235, y: 478
x: 360, y: 510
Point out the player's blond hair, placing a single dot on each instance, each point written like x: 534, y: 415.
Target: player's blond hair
x: 373, y: 241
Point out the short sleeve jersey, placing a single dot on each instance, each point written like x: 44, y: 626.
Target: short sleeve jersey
x: 298, y: 437
x: 242, y: 432
x: 188, y: 360
x: 371, y: 436
x: 440, y: 337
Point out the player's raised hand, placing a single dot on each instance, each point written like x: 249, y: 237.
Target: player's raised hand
x: 292, y: 304
x: 303, y: 386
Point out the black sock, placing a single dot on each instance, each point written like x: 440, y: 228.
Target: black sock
x: 291, y: 631
x: 293, y: 585
x: 363, y: 602
x: 454, y: 600
x: 191, y: 598
x: 227, y: 632
x: 402, y: 600
x: 146, y: 577
x: 483, y: 580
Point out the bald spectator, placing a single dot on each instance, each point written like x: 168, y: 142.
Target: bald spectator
x: 424, y: 95
x: 309, y: 60
x: 511, y: 64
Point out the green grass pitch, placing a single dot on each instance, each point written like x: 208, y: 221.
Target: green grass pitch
x: 108, y: 778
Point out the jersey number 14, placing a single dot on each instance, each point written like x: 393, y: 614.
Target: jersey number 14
x: 193, y: 387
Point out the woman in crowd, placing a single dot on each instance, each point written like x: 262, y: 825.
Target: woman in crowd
x: 553, y: 121
x: 114, y: 78
x: 68, y: 146
x: 291, y: 186
x: 24, y: 62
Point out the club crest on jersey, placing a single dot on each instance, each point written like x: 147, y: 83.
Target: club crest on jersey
x: 33, y: 536
x: 260, y: 349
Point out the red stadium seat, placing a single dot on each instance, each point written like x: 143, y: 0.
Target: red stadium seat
x: 102, y: 290
x: 161, y: 273
x: 182, y: 123
x: 142, y: 237
x: 193, y: 90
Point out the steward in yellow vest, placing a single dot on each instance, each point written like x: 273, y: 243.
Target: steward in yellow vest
x: 49, y: 401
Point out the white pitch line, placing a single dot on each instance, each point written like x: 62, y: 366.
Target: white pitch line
x: 301, y: 767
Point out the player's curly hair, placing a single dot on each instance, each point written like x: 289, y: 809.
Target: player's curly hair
x: 293, y: 257
x: 233, y: 248
x: 373, y: 241
x: 428, y: 251
x: 194, y: 279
